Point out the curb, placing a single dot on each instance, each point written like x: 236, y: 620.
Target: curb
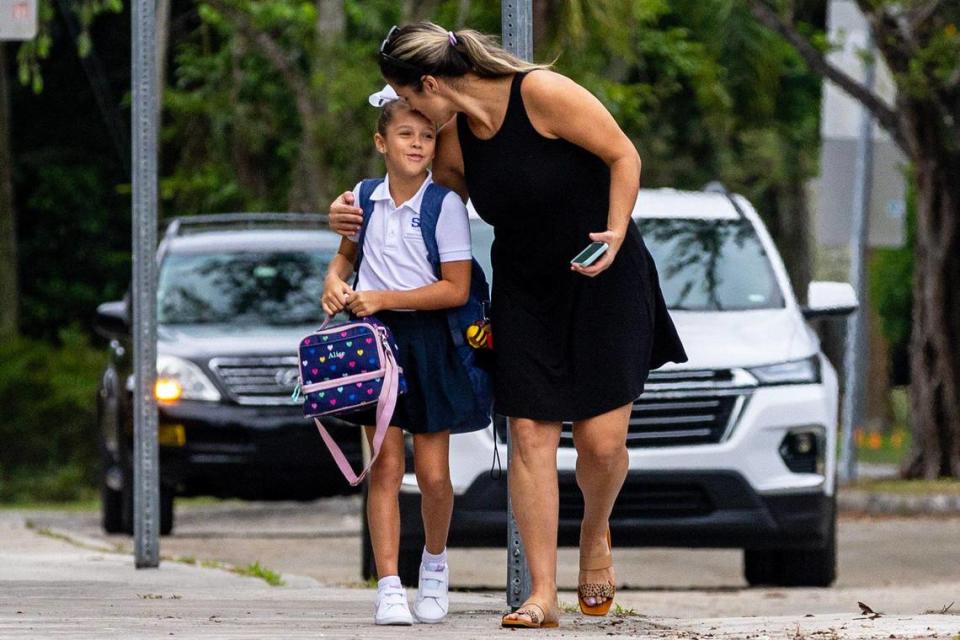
x: 88, y: 543
x: 853, y: 500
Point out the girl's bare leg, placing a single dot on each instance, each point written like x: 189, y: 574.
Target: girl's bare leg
x: 383, y: 507
x: 431, y: 456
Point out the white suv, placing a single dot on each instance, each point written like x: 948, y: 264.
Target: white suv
x: 734, y: 448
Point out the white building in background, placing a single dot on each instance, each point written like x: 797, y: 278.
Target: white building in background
x: 832, y: 192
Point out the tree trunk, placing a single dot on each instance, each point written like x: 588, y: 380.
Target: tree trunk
x: 9, y: 300
x: 311, y: 176
x: 249, y: 172
x: 935, y: 356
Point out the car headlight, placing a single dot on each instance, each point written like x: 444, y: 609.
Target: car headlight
x: 181, y: 379
x: 806, y: 371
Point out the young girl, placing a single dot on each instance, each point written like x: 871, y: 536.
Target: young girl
x: 397, y: 283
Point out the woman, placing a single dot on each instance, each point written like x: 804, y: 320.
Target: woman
x: 546, y: 164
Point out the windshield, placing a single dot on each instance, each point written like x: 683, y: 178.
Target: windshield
x: 242, y: 288
x: 711, y: 265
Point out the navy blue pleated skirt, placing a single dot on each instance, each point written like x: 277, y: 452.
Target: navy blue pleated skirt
x: 439, y: 396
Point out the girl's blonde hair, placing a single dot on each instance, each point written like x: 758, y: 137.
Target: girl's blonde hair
x: 424, y: 48
x: 390, y: 110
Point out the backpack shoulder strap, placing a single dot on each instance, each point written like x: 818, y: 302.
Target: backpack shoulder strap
x: 430, y: 208
x: 367, y: 188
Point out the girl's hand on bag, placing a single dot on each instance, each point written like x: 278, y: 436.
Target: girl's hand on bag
x: 336, y: 294
x: 613, y: 240
x: 365, y: 303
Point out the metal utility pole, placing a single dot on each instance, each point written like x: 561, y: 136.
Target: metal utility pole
x: 855, y: 351
x: 146, y: 460
x: 516, y: 18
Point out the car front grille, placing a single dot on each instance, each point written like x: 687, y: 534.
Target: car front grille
x: 684, y: 408
x: 258, y: 380
x: 643, y: 500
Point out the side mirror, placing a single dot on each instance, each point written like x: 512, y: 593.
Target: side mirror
x: 830, y: 299
x: 112, y: 320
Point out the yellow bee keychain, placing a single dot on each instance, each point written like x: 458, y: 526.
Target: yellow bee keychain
x: 479, y: 335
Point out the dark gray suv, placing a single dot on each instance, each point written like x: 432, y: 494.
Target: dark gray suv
x: 235, y: 294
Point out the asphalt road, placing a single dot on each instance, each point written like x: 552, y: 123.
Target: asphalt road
x: 902, y: 565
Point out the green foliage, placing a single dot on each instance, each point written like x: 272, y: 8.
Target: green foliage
x: 73, y: 245
x: 48, y: 424
x: 32, y: 53
x: 249, y: 129
x: 255, y: 570
x: 705, y: 93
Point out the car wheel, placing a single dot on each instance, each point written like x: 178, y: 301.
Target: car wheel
x: 814, y: 567
x: 111, y: 509
x: 762, y: 567
x: 167, y: 498
x: 408, y: 566
x: 411, y: 539
x: 166, y: 510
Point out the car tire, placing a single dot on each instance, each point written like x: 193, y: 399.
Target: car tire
x: 811, y: 567
x: 111, y: 509
x: 408, y: 566
x: 411, y: 539
x: 167, y: 498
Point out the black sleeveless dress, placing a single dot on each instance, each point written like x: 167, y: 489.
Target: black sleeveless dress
x: 568, y: 347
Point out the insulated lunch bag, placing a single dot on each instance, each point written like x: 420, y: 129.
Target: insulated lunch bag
x: 346, y: 367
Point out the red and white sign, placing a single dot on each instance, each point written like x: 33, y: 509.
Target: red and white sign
x: 18, y: 19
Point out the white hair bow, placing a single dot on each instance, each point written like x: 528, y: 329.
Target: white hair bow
x: 382, y: 97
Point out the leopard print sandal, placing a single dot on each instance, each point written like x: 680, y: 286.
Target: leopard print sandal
x: 596, y: 589
x: 540, y: 617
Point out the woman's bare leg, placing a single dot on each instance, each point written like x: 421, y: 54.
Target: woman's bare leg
x: 602, y: 464
x: 383, y: 507
x: 535, y: 496
x: 431, y: 456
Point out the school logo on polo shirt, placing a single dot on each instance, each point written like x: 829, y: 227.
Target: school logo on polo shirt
x: 415, y: 222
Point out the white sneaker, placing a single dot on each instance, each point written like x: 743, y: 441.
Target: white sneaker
x: 391, y: 606
x: 431, y: 604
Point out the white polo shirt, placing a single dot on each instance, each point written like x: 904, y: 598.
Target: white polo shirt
x: 394, y: 255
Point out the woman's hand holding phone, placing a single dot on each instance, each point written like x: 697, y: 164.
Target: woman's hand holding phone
x: 613, y: 241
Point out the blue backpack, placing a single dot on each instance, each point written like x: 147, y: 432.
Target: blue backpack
x: 458, y: 318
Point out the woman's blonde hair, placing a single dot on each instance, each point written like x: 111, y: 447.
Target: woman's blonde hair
x: 424, y: 48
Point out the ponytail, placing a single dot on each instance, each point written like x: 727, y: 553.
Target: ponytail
x: 424, y: 48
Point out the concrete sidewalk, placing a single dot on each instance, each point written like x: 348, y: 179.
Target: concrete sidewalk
x: 54, y: 588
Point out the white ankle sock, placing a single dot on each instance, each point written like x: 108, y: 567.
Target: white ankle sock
x: 435, y: 562
x: 389, y: 581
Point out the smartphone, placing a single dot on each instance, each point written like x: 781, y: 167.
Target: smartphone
x: 589, y: 255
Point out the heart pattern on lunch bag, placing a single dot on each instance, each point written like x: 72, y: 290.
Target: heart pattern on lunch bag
x: 351, y: 355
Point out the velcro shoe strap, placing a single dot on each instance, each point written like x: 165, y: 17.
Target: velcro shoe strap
x: 430, y: 584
